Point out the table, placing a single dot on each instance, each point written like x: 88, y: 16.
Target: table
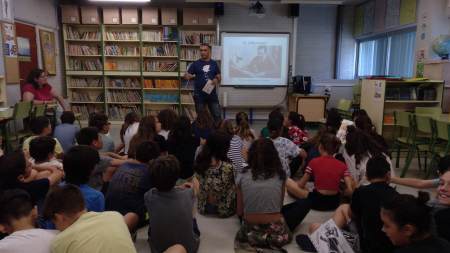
x: 312, y: 106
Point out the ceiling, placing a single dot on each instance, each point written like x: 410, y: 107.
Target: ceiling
x: 346, y: 2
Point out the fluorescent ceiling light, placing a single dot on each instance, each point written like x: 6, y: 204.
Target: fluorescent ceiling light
x: 122, y: 1
x: 312, y: 2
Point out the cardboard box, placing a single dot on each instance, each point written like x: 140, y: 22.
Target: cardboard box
x: 169, y: 16
x: 70, y: 14
x: 111, y: 16
x: 206, y: 16
x: 89, y: 15
x: 150, y: 16
x: 130, y: 16
x: 190, y: 16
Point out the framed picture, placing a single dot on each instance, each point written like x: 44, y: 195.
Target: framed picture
x: 24, y: 51
x: 48, y: 50
x: 6, y: 10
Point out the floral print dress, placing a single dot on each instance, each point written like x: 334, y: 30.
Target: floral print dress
x: 218, y: 182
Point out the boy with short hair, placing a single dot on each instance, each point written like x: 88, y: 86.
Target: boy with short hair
x: 66, y: 131
x: 100, y: 121
x: 42, y: 151
x: 79, y: 162
x: 18, y: 217
x: 83, y: 231
x: 131, y: 181
x: 170, y: 208
x: 106, y: 167
x: 40, y: 126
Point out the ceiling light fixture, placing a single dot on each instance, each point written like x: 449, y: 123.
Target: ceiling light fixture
x: 122, y: 1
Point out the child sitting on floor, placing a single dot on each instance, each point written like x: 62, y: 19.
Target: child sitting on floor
x: 100, y: 121
x: 296, y: 128
x: 215, y: 177
x: 18, y: 217
x: 170, y: 208
x: 40, y: 126
x: 42, y: 152
x: 260, y: 195
x: 66, y: 131
x: 79, y: 162
x: 83, y: 231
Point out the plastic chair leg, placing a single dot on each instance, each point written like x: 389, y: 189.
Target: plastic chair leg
x: 397, y: 162
x: 408, y: 161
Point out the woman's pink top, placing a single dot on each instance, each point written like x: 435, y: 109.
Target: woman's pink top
x: 42, y: 94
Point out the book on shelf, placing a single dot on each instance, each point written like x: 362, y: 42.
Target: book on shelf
x: 118, y: 112
x: 161, y: 97
x: 85, y: 64
x: 195, y: 37
x: 160, y: 66
x: 122, y: 65
x: 160, y: 50
x: 155, y: 112
x: 86, y: 82
x: 151, y: 36
x: 190, y: 54
x: 121, y: 35
x: 116, y: 50
x: 170, y: 33
x: 83, y: 96
x: 161, y: 83
x: 185, y: 65
x: 75, y: 50
x: 85, y: 110
x: 190, y: 113
x: 74, y: 34
x: 187, y: 84
x: 124, y: 83
x: 124, y: 96
x: 186, y: 99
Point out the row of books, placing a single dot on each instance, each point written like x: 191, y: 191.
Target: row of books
x: 193, y: 37
x: 73, y: 34
x: 190, y: 113
x: 86, y: 82
x: 154, y: 112
x: 161, y: 97
x: 124, y: 83
x: 82, y: 50
x: 151, y: 35
x: 85, y: 64
x: 169, y: 33
x: 118, y: 112
x: 162, y: 66
x: 124, y: 96
x: 81, y: 96
x: 122, y: 65
x: 187, y: 84
x: 85, y: 110
x: 163, y: 50
x: 121, y: 50
x: 122, y: 35
x: 190, y: 54
x: 161, y: 83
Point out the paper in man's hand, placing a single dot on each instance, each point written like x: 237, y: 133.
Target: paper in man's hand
x: 209, y: 87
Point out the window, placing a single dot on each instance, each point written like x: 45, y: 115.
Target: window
x: 391, y: 55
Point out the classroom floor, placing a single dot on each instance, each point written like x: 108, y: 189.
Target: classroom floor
x: 217, y: 235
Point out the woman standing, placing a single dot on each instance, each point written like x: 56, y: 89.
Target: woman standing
x: 39, y: 91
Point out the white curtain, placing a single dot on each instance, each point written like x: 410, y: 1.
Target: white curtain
x: 401, y: 59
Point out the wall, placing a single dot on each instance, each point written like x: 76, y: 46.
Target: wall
x: 316, y: 41
x: 346, y: 44
x: 43, y: 14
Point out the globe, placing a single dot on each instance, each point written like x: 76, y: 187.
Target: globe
x: 441, y: 46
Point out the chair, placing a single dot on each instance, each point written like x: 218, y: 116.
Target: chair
x: 22, y: 110
x: 39, y: 110
x: 344, y: 106
x: 431, y: 111
x: 442, y: 146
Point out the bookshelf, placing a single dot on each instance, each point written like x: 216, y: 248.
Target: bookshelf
x: 380, y: 98
x: 3, y: 102
x: 123, y: 68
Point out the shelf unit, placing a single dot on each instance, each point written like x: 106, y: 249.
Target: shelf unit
x: 137, y: 67
x: 3, y: 102
x: 380, y: 98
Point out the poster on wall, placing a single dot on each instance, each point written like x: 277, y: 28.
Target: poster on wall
x: 6, y: 10
x: 48, y: 50
x: 9, y: 40
x: 24, y: 51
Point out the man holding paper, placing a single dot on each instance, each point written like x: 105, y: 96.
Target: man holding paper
x: 206, y: 75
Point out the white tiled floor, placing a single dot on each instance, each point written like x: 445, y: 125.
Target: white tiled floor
x: 217, y: 235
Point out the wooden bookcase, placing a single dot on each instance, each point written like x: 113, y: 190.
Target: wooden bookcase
x: 3, y: 102
x: 380, y: 98
x: 123, y: 68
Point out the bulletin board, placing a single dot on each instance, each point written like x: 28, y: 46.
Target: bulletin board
x: 8, y: 31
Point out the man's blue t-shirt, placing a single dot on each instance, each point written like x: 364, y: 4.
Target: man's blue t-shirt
x: 203, y: 71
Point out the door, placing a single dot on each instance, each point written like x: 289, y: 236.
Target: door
x: 26, y: 37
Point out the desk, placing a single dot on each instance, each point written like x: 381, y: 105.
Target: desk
x: 312, y: 107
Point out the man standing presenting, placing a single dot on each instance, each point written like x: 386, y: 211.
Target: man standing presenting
x: 206, y: 75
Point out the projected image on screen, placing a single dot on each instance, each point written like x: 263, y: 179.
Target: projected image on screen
x: 254, y: 59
